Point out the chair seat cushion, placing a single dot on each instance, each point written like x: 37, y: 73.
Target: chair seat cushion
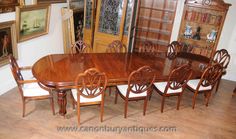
x: 123, y: 91
x: 162, y: 85
x: 84, y: 99
x: 33, y: 90
x: 194, y: 83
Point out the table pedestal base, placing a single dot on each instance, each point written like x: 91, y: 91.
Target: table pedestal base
x: 62, y: 102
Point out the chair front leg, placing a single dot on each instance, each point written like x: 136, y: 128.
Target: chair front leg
x: 178, y: 102
x: 102, y: 110
x: 126, y: 107
x: 162, y: 103
x: 23, y: 114
x: 116, y: 96
x: 145, y: 105
x: 78, y: 113
x: 194, y: 100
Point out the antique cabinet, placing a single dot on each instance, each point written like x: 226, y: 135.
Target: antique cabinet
x: 201, y: 25
x: 154, y: 23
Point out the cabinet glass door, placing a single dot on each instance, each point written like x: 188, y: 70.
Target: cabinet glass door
x: 89, y: 8
x: 110, y: 18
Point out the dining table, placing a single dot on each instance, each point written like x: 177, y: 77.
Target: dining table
x: 58, y: 71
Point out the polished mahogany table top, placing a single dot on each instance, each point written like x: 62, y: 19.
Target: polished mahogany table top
x: 59, y: 70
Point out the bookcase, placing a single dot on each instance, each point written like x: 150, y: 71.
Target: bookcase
x: 154, y: 24
x: 201, y: 25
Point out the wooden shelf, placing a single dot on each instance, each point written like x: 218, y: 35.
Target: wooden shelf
x: 156, y: 20
x: 155, y: 41
x: 166, y: 32
x: 158, y: 9
x: 208, y: 18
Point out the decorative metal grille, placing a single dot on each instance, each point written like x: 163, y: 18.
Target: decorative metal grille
x: 110, y: 16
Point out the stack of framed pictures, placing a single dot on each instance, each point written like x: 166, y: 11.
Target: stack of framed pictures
x: 32, y: 20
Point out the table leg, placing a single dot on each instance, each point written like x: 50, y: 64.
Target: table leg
x: 62, y: 102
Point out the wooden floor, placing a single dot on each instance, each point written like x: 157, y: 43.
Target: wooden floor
x: 216, y: 121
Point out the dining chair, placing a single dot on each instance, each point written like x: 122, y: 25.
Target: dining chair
x: 138, y: 88
x: 116, y: 47
x: 172, y: 49
x: 206, y: 83
x: 222, y: 57
x: 89, y: 90
x: 80, y: 47
x: 29, y: 89
x: 148, y: 47
x: 175, y: 85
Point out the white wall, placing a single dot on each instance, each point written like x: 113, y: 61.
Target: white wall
x: 227, y: 39
x: 30, y: 51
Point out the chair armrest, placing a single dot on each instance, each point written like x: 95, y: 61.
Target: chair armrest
x: 26, y: 68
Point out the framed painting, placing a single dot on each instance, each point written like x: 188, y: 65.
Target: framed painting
x: 32, y: 21
x: 8, y: 5
x: 7, y: 41
x: 50, y: 1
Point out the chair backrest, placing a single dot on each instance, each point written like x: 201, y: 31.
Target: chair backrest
x: 172, y: 49
x: 91, y: 83
x: 147, y: 47
x: 222, y: 57
x: 141, y: 80
x: 16, y: 73
x: 15, y: 69
x: 116, y: 47
x: 210, y: 75
x: 79, y: 47
x: 179, y: 77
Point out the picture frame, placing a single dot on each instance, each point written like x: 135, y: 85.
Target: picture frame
x: 32, y: 21
x: 50, y: 1
x: 8, y: 5
x: 7, y: 41
x: 28, y: 2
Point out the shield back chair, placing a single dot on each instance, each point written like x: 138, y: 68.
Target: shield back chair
x: 222, y: 57
x: 148, y: 47
x: 80, y: 47
x: 175, y: 85
x: 29, y: 89
x: 138, y: 88
x: 116, y: 47
x: 173, y: 49
x: 206, y: 83
x: 90, y: 87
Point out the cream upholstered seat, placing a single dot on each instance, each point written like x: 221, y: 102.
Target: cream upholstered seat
x: 206, y: 83
x: 90, y: 87
x: 29, y: 89
x: 33, y: 90
x: 194, y: 83
x: 162, y: 86
x: 175, y: 85
x: 84, y: 99
x: 138, y: 88
x: 123, y: 91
